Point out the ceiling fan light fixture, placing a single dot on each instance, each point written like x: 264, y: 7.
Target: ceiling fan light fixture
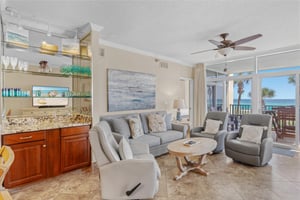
x: 225, y: 46
x: 225, y: 51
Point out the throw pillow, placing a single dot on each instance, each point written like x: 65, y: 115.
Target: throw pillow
x: 135, y: 127
x: 157, y: 123
x: 121, y: 126
x: 169, y: 121
x: 125, y: 150
x: 212, y: 126
x: 252, y: 133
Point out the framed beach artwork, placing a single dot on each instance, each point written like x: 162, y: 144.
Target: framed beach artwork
x: 129, y: 90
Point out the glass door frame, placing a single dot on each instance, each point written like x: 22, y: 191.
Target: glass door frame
x: 297, y: 99
x: 256, y: 94
x: 223, y: 84
x: 225, y: 80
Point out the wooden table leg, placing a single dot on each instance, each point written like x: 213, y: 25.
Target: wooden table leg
x: 190, y: 166
x: 182, y: 170
x: 199, y: 169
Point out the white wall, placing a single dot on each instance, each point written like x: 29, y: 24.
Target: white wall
x: 168, y: 83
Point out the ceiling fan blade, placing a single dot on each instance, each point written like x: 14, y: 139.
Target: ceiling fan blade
x: 215, y: 42
x: 203, y: 51
x: 247, y: 39
x: 243, y: 48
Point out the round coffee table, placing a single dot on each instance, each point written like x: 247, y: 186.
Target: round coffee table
x: 201, y: 148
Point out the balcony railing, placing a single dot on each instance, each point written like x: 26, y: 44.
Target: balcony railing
x: 283, y: 118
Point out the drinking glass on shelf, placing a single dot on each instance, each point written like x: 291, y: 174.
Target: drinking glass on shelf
x: 25, y: 66
x: 20, y: 65
x: 5, y: 61
x: 13, y: 62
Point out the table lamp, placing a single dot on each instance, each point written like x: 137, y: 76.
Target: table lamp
x: 179, y: 104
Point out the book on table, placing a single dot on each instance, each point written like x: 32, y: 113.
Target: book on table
x: 189, y: 143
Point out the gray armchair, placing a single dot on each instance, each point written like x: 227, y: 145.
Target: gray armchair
x: 249, y: 152
x: 132, y: 178
x: 220, y: 135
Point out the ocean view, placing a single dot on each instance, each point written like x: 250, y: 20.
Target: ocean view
x: 268, y: 102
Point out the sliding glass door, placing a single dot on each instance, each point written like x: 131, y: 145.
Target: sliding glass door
x: 278, y: 98
x: 215, y: 96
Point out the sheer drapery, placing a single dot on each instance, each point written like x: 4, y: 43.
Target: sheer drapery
x: 200, y: 107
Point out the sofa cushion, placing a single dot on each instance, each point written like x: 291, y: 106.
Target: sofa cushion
x: 169, y: 121
x: 168, y: 136
x: 120, y: 125
x: 144, y: 119
x: 149, y: 139
x: 125, y: 150
x: 135, y: 127
x: 249, y: 148
x: 157, y: 123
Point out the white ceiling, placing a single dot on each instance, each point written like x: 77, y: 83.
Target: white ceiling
x: 176, y: 28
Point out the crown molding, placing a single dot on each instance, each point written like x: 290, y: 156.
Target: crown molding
x: 95, y: 27
x: 142, y: 52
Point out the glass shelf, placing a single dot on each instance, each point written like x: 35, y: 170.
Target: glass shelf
x: 46, y: 73
x: 36, y: 49
x: 71, y: 97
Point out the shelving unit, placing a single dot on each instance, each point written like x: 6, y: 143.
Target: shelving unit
x: 75, y: 74
x: 46, y: 141
x: 46, y: 73
x: 36, y: 49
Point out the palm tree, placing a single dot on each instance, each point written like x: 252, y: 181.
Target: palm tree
x: 240, y: 91
x: 266, y: 93
x: 292, y: 80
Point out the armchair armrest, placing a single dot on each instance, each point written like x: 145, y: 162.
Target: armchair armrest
x: 221, y: 133
x: 266, y: 150
x: 139, y: 147
x: 197, y: 129
x: 232, y: 135
x: 180, y: 127
x: 119, y: 177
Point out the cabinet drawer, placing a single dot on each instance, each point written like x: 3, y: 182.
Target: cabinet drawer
x: 23, y: 137
x: 75, y: 130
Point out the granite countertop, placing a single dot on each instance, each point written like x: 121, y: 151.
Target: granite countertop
x: 22, y: 129
x: 33, y: 123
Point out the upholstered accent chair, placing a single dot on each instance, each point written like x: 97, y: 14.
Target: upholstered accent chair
x: 252, y: 144
x: 127, y: 169
x: 220, y: 121
x: 7, y: 157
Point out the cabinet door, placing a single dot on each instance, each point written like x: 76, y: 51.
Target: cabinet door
x: 53, y: 152
x: 75, y: 148
x: 29, y: 164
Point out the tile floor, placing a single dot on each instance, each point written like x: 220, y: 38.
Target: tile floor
x: 280, y: 179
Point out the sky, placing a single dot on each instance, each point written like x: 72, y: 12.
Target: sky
x: 283, y: 89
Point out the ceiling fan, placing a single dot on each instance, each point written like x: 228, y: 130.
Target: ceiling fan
x: 225, y: 46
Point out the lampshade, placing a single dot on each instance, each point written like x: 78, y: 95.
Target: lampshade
x: 179, y: 103
x: 225, y: 51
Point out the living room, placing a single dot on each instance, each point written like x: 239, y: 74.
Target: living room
x: 139, y: 39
